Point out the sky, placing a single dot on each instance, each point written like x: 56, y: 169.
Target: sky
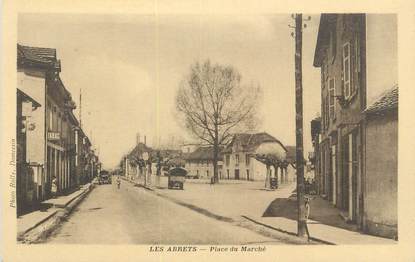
x: 129, y: 68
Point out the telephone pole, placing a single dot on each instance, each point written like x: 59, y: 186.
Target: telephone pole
x: 301, y: 219
x: 80, y: 108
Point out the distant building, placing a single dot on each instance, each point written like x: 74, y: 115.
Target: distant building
x: 134, y: 161
x: 199, y: 163
x: 188, y: 148
x: 357, y: 54
x: 239, y: 160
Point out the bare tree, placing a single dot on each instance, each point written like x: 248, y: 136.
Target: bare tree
x: 214, y: 104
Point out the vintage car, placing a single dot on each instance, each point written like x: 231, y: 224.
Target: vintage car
x: 177, y: 176
x: 104, y: 177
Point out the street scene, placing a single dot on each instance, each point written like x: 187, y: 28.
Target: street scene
x: 186, y: 129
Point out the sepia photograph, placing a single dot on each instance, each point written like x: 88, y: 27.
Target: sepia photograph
x: 182, y: 129
x: 187, y: 131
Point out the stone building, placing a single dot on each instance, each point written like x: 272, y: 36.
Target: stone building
x: 29, y: 191
x: 52, y: 147
x: 240, y: 163
x: 199, y: 163
x: 357, y: 54
x: 381, y: 166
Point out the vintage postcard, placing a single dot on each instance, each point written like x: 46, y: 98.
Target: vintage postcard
x: 152, y: 130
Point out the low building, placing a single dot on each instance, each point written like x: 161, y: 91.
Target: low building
x: 199, y: 163
x: 380, y: 215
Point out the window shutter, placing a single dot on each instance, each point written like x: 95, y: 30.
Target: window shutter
x: 346, y: 69
x: 352, y: 67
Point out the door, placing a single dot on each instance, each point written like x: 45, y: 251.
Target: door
x: 237, y: 174
x: 345, y: 174
x: 354, y: 169
x: 333, y: 173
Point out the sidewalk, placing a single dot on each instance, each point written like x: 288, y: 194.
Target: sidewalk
x: 236, y: 200
x: 50, y: 208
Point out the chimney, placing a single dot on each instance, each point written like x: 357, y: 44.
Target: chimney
x: 138, y: 138
x: 145, y: 140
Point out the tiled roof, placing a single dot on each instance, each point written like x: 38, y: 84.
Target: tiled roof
x: 250, y: 142
x: 37, y: 54
x: 203, y: 153
x: 140, y: 149
x: 388, y: 101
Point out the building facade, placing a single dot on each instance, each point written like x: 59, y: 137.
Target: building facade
x: 29, y: 181
x: 381, y: 166
x: 240, y: 163
x: 199, y: 163
x: 358, y: 60
x: 52, y: 145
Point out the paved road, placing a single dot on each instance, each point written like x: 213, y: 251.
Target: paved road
x: 132, y: 215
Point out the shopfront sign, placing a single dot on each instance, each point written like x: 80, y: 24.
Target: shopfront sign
x: 53, y: 136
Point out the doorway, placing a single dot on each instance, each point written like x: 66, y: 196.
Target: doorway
x: 237, y: 174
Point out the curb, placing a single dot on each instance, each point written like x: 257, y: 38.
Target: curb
x: 20, y: 235
x: 39, y: 232
x: 287, y: 232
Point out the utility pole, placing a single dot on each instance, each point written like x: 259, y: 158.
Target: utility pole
x: 301, y: 219
x: 80, y: 108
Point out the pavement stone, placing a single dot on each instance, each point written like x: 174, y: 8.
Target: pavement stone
x: 29, y: 222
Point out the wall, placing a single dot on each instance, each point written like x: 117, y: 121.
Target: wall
x: 380, y: 199
x: 33, y: 84
x: 382, y: 54
x: 193, y: 166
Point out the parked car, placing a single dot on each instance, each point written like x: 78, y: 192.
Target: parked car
x: 176, y: 177
x: 104, y: 177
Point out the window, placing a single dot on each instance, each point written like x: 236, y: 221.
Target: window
x: 247, y: 159
x: 227, y: 159
x: 323, y: 114
x: 346, y: 70
x: 332, y: 46
x: 327, y: 109
x: 50, y: 119
x: 237, y: 160
x: 59, y: 123
x: 332, y: 92
x: 356, y: 70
